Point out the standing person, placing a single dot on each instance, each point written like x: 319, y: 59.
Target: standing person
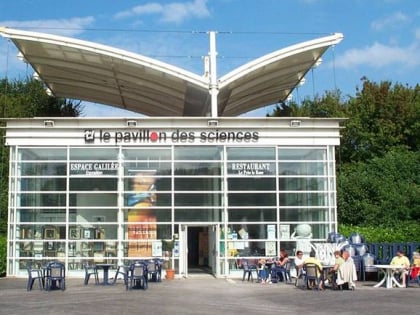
x: 401, y: 260
x: 347, y: 272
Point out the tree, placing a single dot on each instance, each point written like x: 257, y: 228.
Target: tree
x: 382, y: 191
x: 25, y: 99
x: 381, y: 117
x: 379, y: 153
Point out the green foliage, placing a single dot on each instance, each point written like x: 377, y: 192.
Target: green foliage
x: 382, y: 117
x: 25, y: 99
x: 380, y: 191
x: 403, y: 232
x: 3, y: 255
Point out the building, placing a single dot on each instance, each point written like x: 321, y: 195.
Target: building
x: 116, y: 189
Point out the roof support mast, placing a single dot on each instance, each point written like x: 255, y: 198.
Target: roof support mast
x: 213, y: 87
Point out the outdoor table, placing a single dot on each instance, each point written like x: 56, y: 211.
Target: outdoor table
x: 105, y: 267
x: 325, y: 271
x: 389, y: 278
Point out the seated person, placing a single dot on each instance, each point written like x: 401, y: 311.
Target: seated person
x: 261, y: 270
x: 299, y: 263
x: 333, y: 271
x: 281, y: 264
x: 415, y: 268
x: 347, y: 272
x: 313, y: 260
x: 401, y: 260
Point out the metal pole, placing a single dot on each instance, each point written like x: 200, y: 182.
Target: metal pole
x: 213, y: 88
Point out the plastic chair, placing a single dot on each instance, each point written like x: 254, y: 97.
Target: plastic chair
x: 368, y: 262
x: 287, y: 278
x: 153, y: 271
x: 55, y: 276
x: 413, y: 277
x: 121, y: 270
x: 137, y: 276
x: 91, y: 270
x: 312, y: 276
x: 248, y: 269
x: 33, y: 275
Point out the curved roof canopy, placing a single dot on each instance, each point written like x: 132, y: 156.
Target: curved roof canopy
x: 83, y: 70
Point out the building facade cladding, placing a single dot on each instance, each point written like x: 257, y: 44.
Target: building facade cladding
x: 95, y: 190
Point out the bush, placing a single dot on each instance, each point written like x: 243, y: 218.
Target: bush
x: 402, y: 232
x: 3, y: 255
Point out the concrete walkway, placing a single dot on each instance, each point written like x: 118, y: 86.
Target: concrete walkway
x: 204, y: 296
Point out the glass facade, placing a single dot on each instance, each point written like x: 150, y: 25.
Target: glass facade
x: 113, y: 204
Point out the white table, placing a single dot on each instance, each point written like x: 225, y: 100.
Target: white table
x: 389, y: 278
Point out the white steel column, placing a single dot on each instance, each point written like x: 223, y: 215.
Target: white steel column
x: 213, y: 75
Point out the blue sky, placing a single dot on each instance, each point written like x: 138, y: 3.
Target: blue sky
x: 381, y: 37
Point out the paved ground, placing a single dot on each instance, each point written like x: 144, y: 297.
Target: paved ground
x: 205, y: 296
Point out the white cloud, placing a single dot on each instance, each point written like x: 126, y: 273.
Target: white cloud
x: 396, y: 19
x: 175, y: 12
x: 64, y: 27
x: 378, y: 56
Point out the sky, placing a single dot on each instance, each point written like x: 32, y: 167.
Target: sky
x: 381, y: 37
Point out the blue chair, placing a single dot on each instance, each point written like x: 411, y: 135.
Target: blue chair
x: 368, y: 262
x: 137, y: 277
x: 123, y: 271
x: 90, y: 270
x: 312, y: 276
x: 153, y: 271
x: 55, y: 276
x: 34, y: 275
x: 287, y: 278
x: 248, y: 270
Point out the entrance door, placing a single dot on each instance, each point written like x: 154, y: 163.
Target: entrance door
x: 198, y: 249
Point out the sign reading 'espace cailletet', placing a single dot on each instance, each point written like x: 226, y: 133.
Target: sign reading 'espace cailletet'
x: 176, y: 136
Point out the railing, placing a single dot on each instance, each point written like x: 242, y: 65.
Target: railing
x: 384, y: 252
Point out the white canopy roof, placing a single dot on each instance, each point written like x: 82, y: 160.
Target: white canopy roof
x: 83, y: 70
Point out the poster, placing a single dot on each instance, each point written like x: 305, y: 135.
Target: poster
x: 142, y: 228
x: 271, y: 232
x: 157, y: 248
x: 284, y: 231
x: 270, y: 249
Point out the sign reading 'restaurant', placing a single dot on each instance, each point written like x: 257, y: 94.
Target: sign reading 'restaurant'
x: 249, y: 168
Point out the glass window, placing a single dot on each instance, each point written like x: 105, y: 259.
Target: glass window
x: 299, y: 154
x: 249, y: 154
x: 303, y: 183
x: 198, y: 153
x: 253, y: 183
x: 252, y: 215
x: 147, y: 154
x: 197, y: 215
x: 302, y: 168
x: 196, y: 183
x: 48, y: 154
x: 252, y: 199
x: 209, y: 198
x: 97, y: 154
x: 307, y: 199
x: 43, y: 184
x: 93, y: 184
x: 43, y: 168
x: 201, y: 168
